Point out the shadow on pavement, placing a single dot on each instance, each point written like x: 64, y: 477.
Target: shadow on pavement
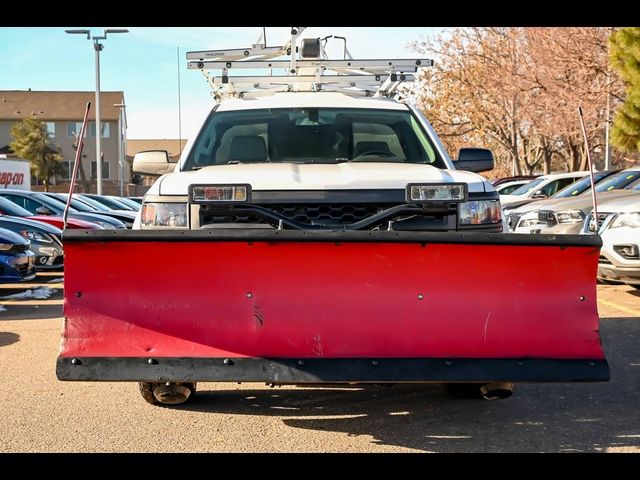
x: 7, y: 338
x: 538, y: 418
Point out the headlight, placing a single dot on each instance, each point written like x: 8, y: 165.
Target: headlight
x: 37, y: 236
x: 570, y: 216
x: 528, y: 222
x: 436, y: 192
x: 171, y: 215
x: 479, y: 212
x: 220, y: 193
x: 626, y: 220
x: 5, y: 246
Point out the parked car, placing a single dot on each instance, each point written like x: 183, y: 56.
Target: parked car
x: 7, y: 207
x: 542, y: 187
x: 113, y: 203
x: 620, y: 232
x: 130, y: 203
x: 503, y: 180
x: 81, y: 205
x: 565, y: 212
x: 17, y: 262
x: 40, y: 204
x: 46, y: 241
x: 508, y: 187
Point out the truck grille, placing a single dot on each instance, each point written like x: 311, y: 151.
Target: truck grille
x: 601, y: 218
x: 548, y: 217
x: 512, y: 220
x: 308, y: 214
x: 604, y: 260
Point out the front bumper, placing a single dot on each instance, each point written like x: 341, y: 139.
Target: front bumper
x: 17, y: 267
x: 331, y: 370
x: 612, y: 265
x: 619, y: 274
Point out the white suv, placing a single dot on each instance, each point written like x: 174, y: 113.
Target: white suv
x: 620, y: 232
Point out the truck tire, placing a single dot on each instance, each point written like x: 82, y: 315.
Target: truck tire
x: 147, y: 388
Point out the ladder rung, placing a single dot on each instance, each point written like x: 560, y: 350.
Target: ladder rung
x: 399, y: 65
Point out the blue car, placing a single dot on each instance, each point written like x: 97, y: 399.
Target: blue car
x: 17, y: 262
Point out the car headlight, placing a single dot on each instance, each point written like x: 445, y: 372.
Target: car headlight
x: 570, y: 216
x: 528, y: 222
x: 169, y: 215
x: 220, y: 193
x: 37, y: 236
x: 626, y: 220
x: 436, y: 192
x: 5, y: 246
x: 479, y: 212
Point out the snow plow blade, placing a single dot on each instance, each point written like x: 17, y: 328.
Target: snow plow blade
x: 308, y: 307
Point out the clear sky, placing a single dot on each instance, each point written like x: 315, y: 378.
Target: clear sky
x: 144, y: 63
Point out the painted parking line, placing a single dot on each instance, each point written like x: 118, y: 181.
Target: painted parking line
x: 31, y: 302
x: 26, y: 286
x: 622, y: 308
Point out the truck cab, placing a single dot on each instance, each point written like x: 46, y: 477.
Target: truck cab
x: 321, y: 160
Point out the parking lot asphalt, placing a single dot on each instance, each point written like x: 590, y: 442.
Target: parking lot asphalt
x: 41, y: 414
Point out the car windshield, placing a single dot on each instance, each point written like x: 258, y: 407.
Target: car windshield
x: 97, y: 205
x: 7, y: 207
x: 526, y: 188
x: 620, y: 180
x: 581, y: 186
x: 312, y: 135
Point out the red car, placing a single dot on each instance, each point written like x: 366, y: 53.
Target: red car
x: 9, y: 208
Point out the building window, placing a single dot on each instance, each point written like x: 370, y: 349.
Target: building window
x: 105, y: 170
x: 73, y: 129
x: 104, y: 126
x: 67, y: 174
x: 51, y: 128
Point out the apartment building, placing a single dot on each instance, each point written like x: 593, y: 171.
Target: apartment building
x: 63, y: 113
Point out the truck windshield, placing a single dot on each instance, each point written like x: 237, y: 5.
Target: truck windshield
x: 312, y: 135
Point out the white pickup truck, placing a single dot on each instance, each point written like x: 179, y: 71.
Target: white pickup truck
x: 315, y: 230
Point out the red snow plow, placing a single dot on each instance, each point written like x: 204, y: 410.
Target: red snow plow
x: 293, y: 307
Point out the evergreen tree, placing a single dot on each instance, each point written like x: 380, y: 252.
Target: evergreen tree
x: 625, y: 58
x: 31, y: 142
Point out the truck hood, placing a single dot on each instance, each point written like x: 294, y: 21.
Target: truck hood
x: 629, y: 203
x: 292, y: 176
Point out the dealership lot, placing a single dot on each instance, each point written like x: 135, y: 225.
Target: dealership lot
x: 42, y: 414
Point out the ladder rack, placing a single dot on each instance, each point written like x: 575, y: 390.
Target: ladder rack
x: 307, y: 70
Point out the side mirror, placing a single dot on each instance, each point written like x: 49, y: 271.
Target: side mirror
x: 43, y: 211
x: 153, y: 162
x: 539, y: 194
x: 474, y: 160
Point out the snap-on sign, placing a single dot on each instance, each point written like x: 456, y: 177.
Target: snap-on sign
x: 15, y: 174
x: 9, y: 178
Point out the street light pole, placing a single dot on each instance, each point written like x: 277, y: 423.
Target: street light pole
x: 97, y: 46
x: 122, y: 146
